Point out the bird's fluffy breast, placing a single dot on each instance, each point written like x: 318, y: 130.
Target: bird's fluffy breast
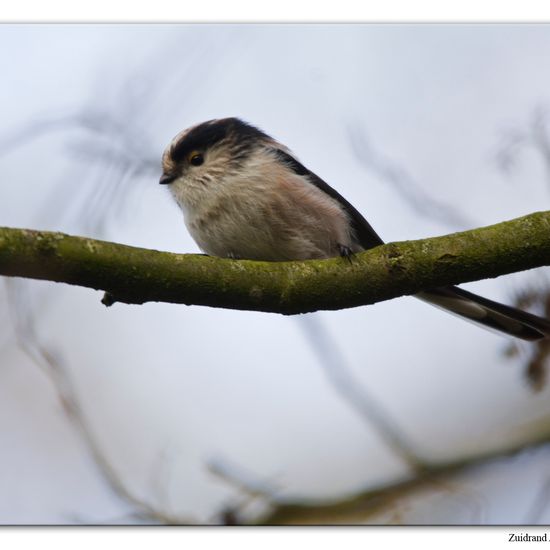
x: 269, y: 214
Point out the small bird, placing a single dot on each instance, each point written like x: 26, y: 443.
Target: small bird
x: 244, y: 195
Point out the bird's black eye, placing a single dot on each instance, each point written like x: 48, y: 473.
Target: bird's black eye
x: 196, y: 159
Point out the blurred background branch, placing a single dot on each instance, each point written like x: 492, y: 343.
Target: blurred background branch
x: 516, y: 141
x: 405, y: 185
x: 365, y: 506
x: 51, y: 362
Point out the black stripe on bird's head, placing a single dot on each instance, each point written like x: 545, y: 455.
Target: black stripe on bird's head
x: 233, y: 131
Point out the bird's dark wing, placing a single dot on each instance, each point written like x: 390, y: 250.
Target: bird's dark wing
x: 364, y: 233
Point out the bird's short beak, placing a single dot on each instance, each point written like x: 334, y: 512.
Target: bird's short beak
x: 165, y: 179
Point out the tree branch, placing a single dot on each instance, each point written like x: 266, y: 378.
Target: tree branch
x: 364, y: 506
x: 135, y: 275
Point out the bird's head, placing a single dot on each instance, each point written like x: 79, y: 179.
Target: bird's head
x: 201, y: 158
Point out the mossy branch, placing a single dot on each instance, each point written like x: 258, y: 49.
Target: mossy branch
x: 136, y: 275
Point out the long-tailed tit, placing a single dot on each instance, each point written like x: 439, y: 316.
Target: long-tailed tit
x: 245, y: 195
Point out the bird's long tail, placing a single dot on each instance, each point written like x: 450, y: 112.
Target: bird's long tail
x: 487, y: 313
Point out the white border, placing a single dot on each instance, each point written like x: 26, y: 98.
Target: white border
x: 276, y: 11
x: 266, y: 538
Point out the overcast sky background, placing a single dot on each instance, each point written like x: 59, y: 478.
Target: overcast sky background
x: 88, y: 109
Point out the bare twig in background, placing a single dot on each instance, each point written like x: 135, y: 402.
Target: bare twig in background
x: 244, y: 480
x: 255, y: 497
x: 535, y: 297
x: 407, y: 188
x: 534, y: 136
x: 334, y: 366
x: 113, y: 160
x: 51, y: 364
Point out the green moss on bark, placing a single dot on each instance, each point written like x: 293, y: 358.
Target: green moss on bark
x: 135, y: 275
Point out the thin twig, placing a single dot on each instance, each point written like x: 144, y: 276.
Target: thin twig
x: 333, y: 363
x: 52, y: 365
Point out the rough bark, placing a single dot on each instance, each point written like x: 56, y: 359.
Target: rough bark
x: 135, y: 275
